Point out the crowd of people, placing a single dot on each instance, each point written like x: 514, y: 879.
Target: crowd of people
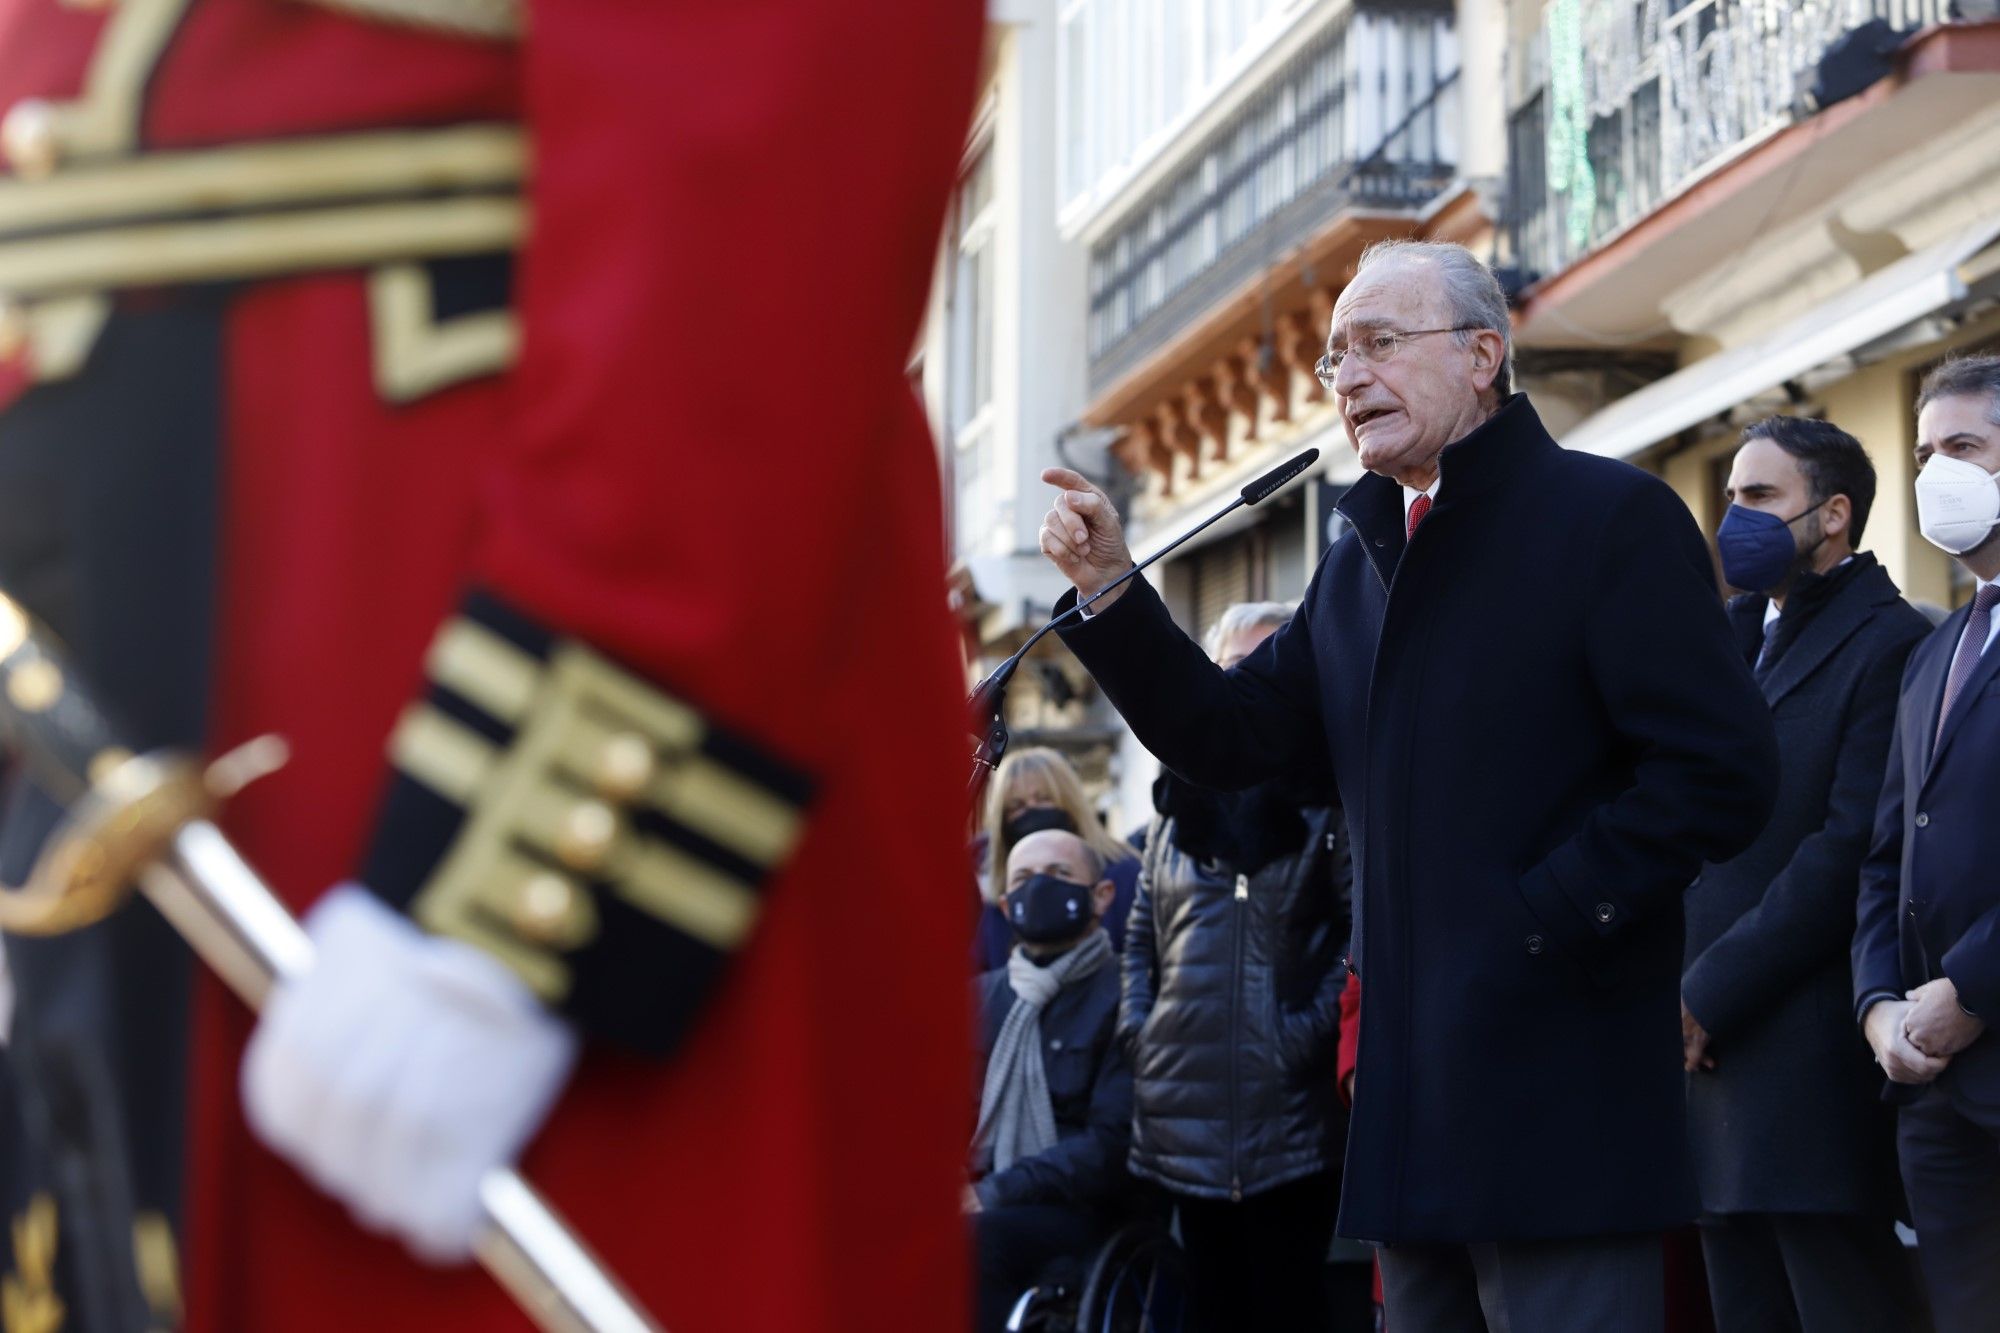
x: 1189, y: 1067
x: 1590, y: 894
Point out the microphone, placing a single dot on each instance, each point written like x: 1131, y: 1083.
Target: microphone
x: 989, y: 696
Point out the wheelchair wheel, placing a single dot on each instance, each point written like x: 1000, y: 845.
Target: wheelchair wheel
x: 1138, y: 1284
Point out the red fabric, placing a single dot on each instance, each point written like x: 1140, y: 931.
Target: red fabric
x: 259, y: 69
x: 709, y: 463
x: 1418, y: 508
x: 45, y: 46
x: 1350, y: 1033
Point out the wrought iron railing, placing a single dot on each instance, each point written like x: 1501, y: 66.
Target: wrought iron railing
x: 1365, y: 116
x: 1632, y: 101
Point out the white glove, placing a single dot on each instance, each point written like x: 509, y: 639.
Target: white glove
x: 400, y: 1070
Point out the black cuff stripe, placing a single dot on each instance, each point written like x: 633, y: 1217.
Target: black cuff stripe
x: 488, y: 611
x: 461, y: 709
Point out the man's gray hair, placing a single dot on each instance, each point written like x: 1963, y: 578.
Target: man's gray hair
x: 1964, y: 376
x: 1471, y: 290
x: 1243, y: 616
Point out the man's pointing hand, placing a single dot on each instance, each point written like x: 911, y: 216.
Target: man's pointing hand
x: 1081, y: 534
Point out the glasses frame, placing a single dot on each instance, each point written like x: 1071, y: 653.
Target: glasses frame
x: 1328, y: 365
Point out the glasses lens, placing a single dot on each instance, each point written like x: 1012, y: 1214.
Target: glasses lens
x: 1327, y: 367
x: 1378, y: 347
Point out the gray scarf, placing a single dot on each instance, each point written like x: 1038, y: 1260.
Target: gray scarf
x: 1016, y: 1118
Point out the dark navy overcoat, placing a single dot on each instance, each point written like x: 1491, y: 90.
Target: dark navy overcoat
x: 1789, y: 1120
x: 1540, y: 729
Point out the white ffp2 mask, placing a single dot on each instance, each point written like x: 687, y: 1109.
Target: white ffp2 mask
x: 1957, y: 503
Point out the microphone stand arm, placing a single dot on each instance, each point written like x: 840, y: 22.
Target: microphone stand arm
x: 987, y: 705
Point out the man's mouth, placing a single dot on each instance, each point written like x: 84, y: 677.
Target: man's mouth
x: 1368, y: 414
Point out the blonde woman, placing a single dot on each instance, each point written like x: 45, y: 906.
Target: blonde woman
x: 1035, y: 789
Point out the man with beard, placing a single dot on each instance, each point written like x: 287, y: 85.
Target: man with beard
x: 1798, y: 1227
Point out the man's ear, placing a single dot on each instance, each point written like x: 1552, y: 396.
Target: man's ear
x: 1101, y: 894
x: 1488, y: 349
x: 1839, y: 517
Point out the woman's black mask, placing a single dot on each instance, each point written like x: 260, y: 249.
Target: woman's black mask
x: 1036, y: 819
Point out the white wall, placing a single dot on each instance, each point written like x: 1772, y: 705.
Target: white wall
x: 1052, y: 299
x: 1039, y: 304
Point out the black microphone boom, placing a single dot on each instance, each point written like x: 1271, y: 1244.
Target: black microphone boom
x: 989, y: 697
x: 1267, y: 485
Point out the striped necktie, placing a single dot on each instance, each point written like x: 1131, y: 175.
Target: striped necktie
x: 1970, y: 645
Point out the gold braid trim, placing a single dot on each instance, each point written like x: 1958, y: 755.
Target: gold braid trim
x: 489, y: 20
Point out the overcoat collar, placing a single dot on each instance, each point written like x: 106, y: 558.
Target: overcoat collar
x: 1491, y: 452
x: 1832, y: 624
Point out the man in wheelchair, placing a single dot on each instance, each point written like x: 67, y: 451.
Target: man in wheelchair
x: 1055, y: 1108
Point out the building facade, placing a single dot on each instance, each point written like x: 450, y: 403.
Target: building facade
x: 1706, y: 211
x: 1179, y: 190
x: 1727, y: 209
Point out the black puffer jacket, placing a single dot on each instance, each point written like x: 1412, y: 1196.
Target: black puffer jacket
x: 1233, y: 974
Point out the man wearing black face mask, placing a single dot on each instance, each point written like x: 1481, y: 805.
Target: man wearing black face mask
x: 1055, y: 1107
x: 1798, y: 1209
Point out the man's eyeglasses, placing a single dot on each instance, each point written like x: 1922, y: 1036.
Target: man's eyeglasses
x: 1376, y: 348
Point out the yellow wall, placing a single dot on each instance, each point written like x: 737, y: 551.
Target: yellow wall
x: 1875, y: 406
x: 1691, y: 473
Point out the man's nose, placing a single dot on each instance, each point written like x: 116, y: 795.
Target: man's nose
x: 1353, y: 373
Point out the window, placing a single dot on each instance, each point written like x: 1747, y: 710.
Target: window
x: 970, y: 350
x: 1133, y: 71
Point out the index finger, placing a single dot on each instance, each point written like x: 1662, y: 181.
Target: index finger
x: 1068, y: 480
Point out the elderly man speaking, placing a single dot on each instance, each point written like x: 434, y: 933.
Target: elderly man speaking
x: 1520, y: 672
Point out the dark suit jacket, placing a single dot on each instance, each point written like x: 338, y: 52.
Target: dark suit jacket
x: 1540, y: 729
x: 1090, y: 1090
x: 1930, y: 889
x: 1789, y: 1120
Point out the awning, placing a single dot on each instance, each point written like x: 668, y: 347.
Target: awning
x: 1911, y: 289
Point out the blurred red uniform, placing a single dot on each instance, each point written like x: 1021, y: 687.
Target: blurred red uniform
x: 675, y: 427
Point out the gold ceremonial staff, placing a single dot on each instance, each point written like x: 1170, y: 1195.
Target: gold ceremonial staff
x: 148, y: 820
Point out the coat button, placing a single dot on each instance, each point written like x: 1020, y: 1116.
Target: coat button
x: 28, y: 138
x: 1923, y: 820
x: 1534, y: 944
x: 1605, y: 911
x: 586, y: 836
x: 1055, y: 1043
x: 544, y: 909
x: 625, y: 767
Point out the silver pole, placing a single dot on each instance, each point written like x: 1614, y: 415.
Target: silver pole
x: 229, y: 915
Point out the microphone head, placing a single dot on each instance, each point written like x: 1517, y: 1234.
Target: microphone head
x: 1264, y: 487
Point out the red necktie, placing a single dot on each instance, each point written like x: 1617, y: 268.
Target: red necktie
x: 1418, y: 508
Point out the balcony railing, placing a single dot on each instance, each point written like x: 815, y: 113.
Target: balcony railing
x: 1631, y: 101
x: 1363, y: 117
